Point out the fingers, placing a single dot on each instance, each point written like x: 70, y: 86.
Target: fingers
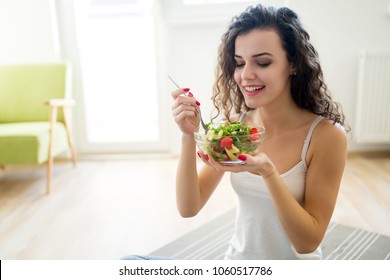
x: 186, y: 100
x: 210, y: 161
x: 183, y: 95
x: 205, y: 158
x: 180, y: 91
x: 184, y: 106
x: 185, y: 110
x: 179, y: 107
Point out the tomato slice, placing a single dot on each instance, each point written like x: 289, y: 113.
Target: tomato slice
x: 226, y: 142
x: 255, y: 135
x: 253, y: 130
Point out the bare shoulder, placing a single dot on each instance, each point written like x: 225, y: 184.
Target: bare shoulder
x: 329, y: 137
x: 333, y: 132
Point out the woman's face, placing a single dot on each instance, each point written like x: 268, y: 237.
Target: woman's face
x: 262, y: 69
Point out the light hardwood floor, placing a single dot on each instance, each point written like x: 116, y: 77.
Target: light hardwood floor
x: 108, y: 209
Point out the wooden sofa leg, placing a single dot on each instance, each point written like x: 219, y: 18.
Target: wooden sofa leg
x: 49, y: 171
x: 53, y: 119
x: 69, y: 134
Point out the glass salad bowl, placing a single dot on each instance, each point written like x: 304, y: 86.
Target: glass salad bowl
x: 225, y: 141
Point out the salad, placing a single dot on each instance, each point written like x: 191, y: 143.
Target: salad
x: 226, y: 141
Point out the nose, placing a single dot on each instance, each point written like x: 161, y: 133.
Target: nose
x: 248, y: 72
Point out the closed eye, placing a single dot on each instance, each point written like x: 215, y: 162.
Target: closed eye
x: 239, y: 64
x: 264, y: 64
x: 261, y: 64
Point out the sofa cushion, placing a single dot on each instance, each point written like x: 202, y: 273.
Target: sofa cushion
x: 29, y: 142
x: 25, y: 88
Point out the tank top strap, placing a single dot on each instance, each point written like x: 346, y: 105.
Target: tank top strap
x: 242, y: 116
x: 308, y: 137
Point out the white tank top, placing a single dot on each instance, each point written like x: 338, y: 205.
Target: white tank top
x: 258, y: 233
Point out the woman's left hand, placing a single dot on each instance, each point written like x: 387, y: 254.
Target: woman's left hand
x: 259, y: 164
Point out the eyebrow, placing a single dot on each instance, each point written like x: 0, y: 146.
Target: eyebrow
x: 255, y: 55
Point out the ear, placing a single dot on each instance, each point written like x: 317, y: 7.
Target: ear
x: 293, y: 70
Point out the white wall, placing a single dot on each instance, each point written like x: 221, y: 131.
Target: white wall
x: 339, y: 30
x: 26, y: 32
x: 187, y: 44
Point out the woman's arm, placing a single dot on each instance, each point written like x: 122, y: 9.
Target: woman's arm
x: 306, y: 225
x: 192, y: 189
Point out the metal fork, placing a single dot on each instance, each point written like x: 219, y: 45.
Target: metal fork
x: 204, y: 126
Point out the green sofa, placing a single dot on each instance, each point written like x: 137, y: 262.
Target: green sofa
x: 31, y: 131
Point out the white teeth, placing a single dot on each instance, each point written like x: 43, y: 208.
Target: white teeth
x: 254, y: 88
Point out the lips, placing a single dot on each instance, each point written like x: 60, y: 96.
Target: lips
x: 254, y: 90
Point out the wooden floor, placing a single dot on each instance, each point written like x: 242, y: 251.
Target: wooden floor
x: 108, y: 209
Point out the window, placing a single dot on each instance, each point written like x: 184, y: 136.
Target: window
x: 206, y: 2
x: 118, y: 68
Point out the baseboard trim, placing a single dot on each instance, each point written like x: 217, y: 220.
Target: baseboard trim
x: 369, y: 154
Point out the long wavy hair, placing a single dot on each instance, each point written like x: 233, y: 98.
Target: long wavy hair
x: 307, y: 87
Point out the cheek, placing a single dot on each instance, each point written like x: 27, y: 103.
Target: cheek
x: 274, y: 76
x: 237, y: 76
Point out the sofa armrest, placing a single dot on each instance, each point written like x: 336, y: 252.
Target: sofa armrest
x: 60, y: 102
x: 64, y: 105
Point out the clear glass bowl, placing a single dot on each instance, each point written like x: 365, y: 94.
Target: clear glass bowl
x: 225, y: 141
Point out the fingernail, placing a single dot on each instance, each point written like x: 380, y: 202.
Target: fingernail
x: 190, y: 94
x: 199, y: 155
x: 242, y: 157
x: 197, y: 103
x: 206, y: 156
x: 186, y: 89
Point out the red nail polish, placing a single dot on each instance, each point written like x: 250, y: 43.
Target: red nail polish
x: 199, y: 155
x: 197, y: 103
x: 206, y: 156
x: 190, y: 94
x: 242, y: 157
x: 186, y: 89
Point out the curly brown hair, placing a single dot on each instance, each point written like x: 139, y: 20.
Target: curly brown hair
x: 307, y: 87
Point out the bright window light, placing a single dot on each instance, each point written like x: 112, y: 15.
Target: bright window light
x: 206, y: 2
x: 119, y: 75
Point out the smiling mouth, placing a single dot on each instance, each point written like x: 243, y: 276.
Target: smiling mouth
x: 253, y: 90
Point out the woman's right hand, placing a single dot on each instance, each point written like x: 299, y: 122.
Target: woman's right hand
x: 185, y: 110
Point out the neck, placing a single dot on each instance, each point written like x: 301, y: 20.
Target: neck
x: 279, y: 118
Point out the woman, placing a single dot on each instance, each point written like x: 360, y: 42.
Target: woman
x: 269, y: 74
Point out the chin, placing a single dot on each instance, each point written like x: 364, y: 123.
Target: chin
x: 252, y: 104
